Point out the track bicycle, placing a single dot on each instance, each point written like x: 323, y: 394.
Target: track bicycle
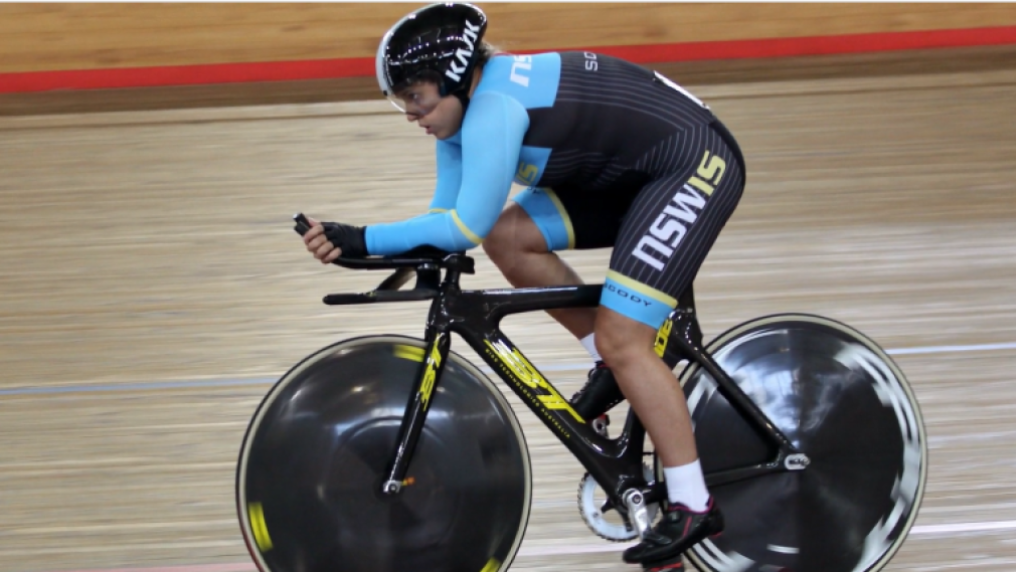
x: 389, y: 453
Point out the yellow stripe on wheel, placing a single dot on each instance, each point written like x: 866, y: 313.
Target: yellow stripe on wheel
x: 256, y: 513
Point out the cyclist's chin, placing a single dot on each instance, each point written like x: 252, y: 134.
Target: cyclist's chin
x: 441, y: 134
x: 444, y: 130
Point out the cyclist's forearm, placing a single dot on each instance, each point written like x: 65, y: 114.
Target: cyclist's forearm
x: 441, y: 230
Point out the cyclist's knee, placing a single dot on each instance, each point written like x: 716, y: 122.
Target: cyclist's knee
x: 620, y: 339
x: 514, y: 234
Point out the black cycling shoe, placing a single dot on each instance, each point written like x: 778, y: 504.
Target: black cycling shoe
x: 598, y: 395
x: 675, y: 564
x: 679, y: 530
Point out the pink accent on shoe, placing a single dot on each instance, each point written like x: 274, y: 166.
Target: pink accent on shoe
x: 684, y: 507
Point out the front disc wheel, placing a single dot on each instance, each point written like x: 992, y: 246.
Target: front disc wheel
x: 312, y: 462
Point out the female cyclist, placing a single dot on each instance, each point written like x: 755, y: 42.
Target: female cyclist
x: 614, y: 155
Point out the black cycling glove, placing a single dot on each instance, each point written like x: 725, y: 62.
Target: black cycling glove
x: 350, y: 239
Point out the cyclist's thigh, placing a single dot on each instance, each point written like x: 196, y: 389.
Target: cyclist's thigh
x: 670, y: 228
x: 515, y: 230
x: 572, y: 218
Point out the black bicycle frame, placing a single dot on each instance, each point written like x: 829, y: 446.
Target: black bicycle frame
x: 616, y: 464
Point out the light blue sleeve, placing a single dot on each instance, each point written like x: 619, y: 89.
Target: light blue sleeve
x: 492, y: 135
x: 449, y: 176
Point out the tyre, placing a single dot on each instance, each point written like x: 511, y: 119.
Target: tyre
x: 844, y: 403
x: 309, y: 475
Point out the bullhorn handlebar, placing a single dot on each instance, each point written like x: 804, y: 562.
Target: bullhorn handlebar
x: 426, y: 262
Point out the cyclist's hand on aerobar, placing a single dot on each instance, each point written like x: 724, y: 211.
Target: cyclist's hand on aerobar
x: 330, y: 240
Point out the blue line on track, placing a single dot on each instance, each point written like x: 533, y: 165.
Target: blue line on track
x: 203, y: 383
x: 92, y: 388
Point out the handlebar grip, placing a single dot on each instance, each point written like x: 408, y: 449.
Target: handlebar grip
x: 302, y: 224
x: 420, y: 256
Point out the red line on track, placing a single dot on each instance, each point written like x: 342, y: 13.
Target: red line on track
x: 161, y: 76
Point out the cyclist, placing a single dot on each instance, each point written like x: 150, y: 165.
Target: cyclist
x: 613, y: 155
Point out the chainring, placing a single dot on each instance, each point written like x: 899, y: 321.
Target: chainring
x: 616, y: 528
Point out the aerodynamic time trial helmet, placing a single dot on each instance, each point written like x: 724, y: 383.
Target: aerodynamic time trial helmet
x: 439, y: 42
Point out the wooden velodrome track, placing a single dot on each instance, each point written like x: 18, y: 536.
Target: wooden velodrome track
x: 152, y: 288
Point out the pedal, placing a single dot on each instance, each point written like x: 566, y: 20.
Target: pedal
x: 600, y: 425
x: 638, y: 513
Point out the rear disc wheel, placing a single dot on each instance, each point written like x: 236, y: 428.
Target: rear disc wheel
x: 844, y: 403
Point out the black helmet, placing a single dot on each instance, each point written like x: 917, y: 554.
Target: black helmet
x: 442, y: 38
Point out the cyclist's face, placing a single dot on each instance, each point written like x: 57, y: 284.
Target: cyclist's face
x: 440, y: 116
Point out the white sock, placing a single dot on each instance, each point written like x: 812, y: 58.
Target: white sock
x: 589, y: 343
x: 687, y: 486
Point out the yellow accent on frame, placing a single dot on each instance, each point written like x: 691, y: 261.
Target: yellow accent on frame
x: 663, y: 337
x: 527, y: 374
x: 412, y: 353
x: 430, y: 375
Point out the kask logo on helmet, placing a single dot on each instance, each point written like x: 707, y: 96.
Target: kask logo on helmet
x: 463, y: 55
